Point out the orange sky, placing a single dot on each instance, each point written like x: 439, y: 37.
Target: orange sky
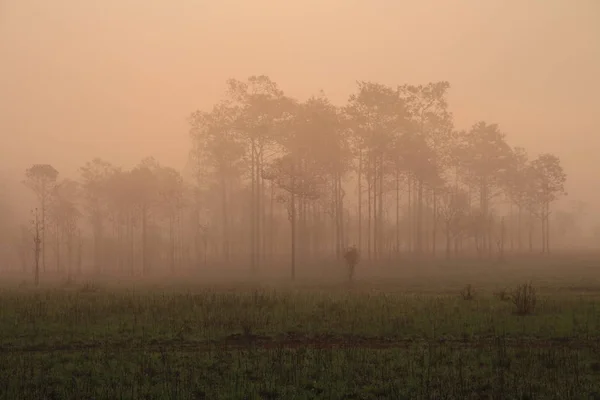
x: 117, y: 78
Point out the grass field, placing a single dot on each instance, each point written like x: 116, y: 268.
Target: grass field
x: 397, y: 334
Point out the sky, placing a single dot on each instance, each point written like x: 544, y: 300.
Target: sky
x: 118, y: 78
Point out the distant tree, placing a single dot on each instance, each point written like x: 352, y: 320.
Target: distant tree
x: 517, y: 185
x: 41, y: 178
x: 144, y: 181
x: 432, y: 124
x: 171, y: 200
x: 548, y: 180
x: 454, y: 210
x: 485, y: 160
x: 377, y: 115
x: 260, y: 104
x: 218, y: 154
x: 64, y: 213
x: 299, y: 183
x: 314, y: 136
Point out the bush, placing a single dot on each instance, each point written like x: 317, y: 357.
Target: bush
x: 524, y: 299
x: 467, y: 293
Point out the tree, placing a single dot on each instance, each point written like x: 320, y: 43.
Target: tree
x: 548, y: 180
x: 517, y: 185
x: 485, y: 160
x: 144, y: 180
x: 95, y: 176
x: 41, y: 178
x: 315, y: 137
x: 377, y: 116
x: 432, y: 123
x: 299, y: 183
x: 260, y: 104
x: 64, y: 213
x: 454, y: 209
x: 171, y: 192
x: 219, y: 158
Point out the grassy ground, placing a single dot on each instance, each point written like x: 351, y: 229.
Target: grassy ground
x: 408, y: 335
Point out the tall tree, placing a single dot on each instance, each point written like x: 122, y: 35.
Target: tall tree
x: 378, y: 115
x: 261, y: 104
x: 315, y: 137
x: 432, y: 122
x: 218, y: 153
x: 486, y: 158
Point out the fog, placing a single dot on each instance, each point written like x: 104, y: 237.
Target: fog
x: 119, y: 79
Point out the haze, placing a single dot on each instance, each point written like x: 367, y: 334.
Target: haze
x: 118, y: 78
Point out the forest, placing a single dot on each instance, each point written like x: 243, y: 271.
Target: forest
x: 274, y: 182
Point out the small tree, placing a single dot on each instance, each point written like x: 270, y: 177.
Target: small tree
x: 525, y: 299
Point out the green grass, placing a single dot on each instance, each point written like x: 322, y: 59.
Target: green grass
x: 413, y: 338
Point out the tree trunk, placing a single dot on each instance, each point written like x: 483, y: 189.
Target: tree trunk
x: 360, y: 200
x: 520, y: 229
x: 43, y: 244
x: 369, y: 211
x: 530, y: 231
x: 435, y: 224
x: 253, y: 207
x: 397, y: 212
x: 144, y: 240
x: 380, y: 224
x: 225, y: 218
x: 410, y: 216
x: 271, y: 222
x: 419, y: 227
x: 448, y: 239
x: 58, y: 269
x: 172, y: 244
x: 293, y: 228
x: 375, y: 215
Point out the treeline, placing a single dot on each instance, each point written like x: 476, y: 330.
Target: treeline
x: 277, y: 180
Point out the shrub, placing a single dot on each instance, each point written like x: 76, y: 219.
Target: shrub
x: 467, y: 293
x: 524, y: 299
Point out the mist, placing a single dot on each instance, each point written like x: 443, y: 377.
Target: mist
x: 120, y: 81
